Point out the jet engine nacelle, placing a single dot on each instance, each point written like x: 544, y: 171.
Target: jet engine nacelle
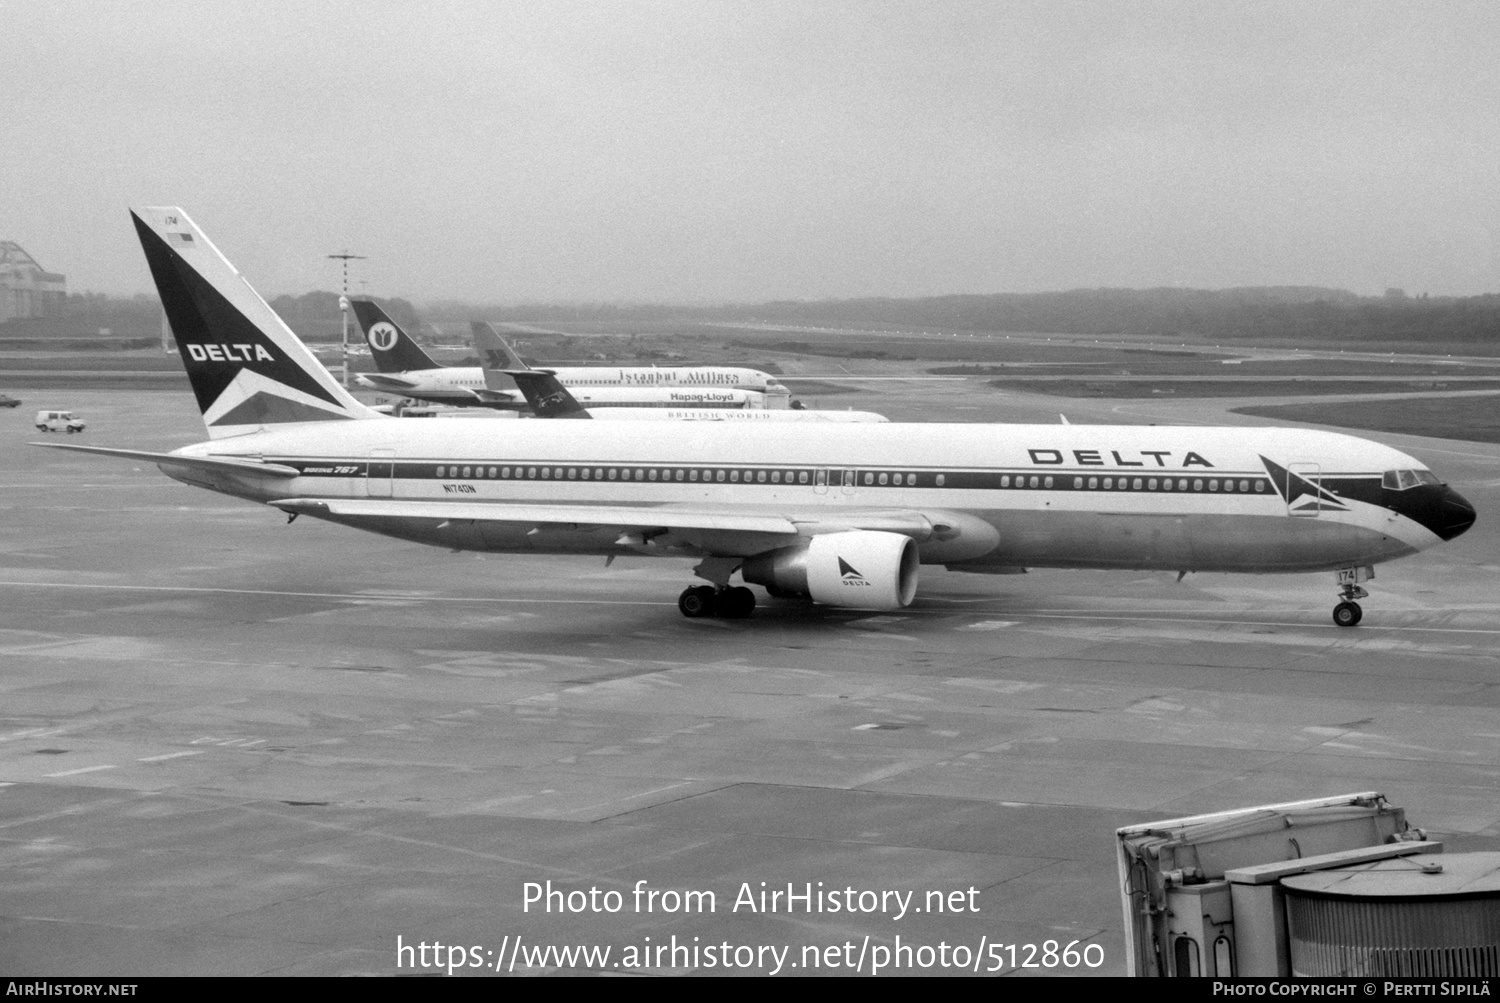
x: 861, y: 568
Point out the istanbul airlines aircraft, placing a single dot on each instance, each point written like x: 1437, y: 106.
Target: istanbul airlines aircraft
x: 548, y: 398
x: 844, y: 514
x: 407, y: 370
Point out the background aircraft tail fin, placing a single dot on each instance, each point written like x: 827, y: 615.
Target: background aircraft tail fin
x: 390, y: 346
x: 497, y: 360
x: 546, y: 395
x: 247, y: 369
x: 494, y: 351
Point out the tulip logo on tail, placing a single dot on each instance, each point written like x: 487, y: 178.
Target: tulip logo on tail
x: 848, y: 576
x: 382, y: 336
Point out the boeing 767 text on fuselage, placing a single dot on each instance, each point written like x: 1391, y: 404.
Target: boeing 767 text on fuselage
x: 843, y: 514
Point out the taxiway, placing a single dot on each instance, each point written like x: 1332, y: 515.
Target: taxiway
x: 234, y: 746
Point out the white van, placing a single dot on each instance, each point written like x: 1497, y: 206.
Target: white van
x: 58, y: 421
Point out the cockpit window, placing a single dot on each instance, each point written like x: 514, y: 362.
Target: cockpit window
x: 1401, y: 480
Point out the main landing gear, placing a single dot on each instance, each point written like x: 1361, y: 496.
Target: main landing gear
x: 718, y: 599
x: 705, y: 600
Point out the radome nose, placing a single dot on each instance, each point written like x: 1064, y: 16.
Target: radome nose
x: 1454, y: 515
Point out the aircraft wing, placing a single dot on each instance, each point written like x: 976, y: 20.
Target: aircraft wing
x: 541, y: 513
x: 743, y: 519
x: 239, y: 466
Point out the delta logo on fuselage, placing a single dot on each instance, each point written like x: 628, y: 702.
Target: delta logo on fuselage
x: 229, y: 353
x: 1092, y: 458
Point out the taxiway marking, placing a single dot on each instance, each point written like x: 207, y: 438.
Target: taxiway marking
x: 1120, y: 616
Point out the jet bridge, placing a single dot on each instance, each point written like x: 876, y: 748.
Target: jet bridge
x: 1206, y: 895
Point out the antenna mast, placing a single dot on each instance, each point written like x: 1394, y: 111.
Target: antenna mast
x: 344, y: 259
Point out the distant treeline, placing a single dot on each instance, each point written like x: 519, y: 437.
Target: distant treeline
x: 85, y: 315
x: 1282, y: 313
x: 315, y: 315
x: 1291, y: 313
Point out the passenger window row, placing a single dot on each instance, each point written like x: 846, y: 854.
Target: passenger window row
x: 681, y: 474
x: 697, y: 475
x: 1227, y: 484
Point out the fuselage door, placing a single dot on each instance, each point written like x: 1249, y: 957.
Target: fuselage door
x: 820, y: 481
x: 380, y: 471
x: 1303, y: 493
x: 851, y: 478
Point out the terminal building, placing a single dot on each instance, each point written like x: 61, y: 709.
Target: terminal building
x: 26, y: 289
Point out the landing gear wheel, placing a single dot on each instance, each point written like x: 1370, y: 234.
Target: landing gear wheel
x: 697, y: 601
x: 736, y: 603
x: 1347, y: 614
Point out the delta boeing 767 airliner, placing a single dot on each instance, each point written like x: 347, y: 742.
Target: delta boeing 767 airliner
x: 843, y: 514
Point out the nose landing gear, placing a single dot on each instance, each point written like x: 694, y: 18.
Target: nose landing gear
x: 1348, y: 613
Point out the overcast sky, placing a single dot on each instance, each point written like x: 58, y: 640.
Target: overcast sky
x: 741, y: 151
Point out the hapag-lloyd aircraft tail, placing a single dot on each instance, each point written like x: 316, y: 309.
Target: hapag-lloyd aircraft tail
x: 247, y: 368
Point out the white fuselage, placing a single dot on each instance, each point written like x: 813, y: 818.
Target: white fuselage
x: 604, y: 386
x: 1174, y: 498
x: 729, y: 415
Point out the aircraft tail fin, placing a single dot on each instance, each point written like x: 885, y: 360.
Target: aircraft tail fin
x: 247, y: 369
x: 496, y: 358
x: 546, y: 395
x: 544, y: 392
x: 391, y: 347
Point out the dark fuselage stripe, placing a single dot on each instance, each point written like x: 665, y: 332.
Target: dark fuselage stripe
x: 1237, y: 482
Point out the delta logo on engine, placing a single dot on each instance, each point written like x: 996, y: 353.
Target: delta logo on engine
x: 848, y: 576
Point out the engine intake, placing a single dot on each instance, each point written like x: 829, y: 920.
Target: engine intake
x: 859, y: 568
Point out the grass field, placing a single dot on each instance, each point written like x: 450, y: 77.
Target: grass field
x: 1476, y: 419
x: 1167, y: 387
x: 811, y: 387
x: 1106, y: 364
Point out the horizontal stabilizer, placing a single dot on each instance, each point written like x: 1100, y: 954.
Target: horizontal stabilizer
x: 384, y: 381
x: 496, y: 396
x: 234, y: 465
